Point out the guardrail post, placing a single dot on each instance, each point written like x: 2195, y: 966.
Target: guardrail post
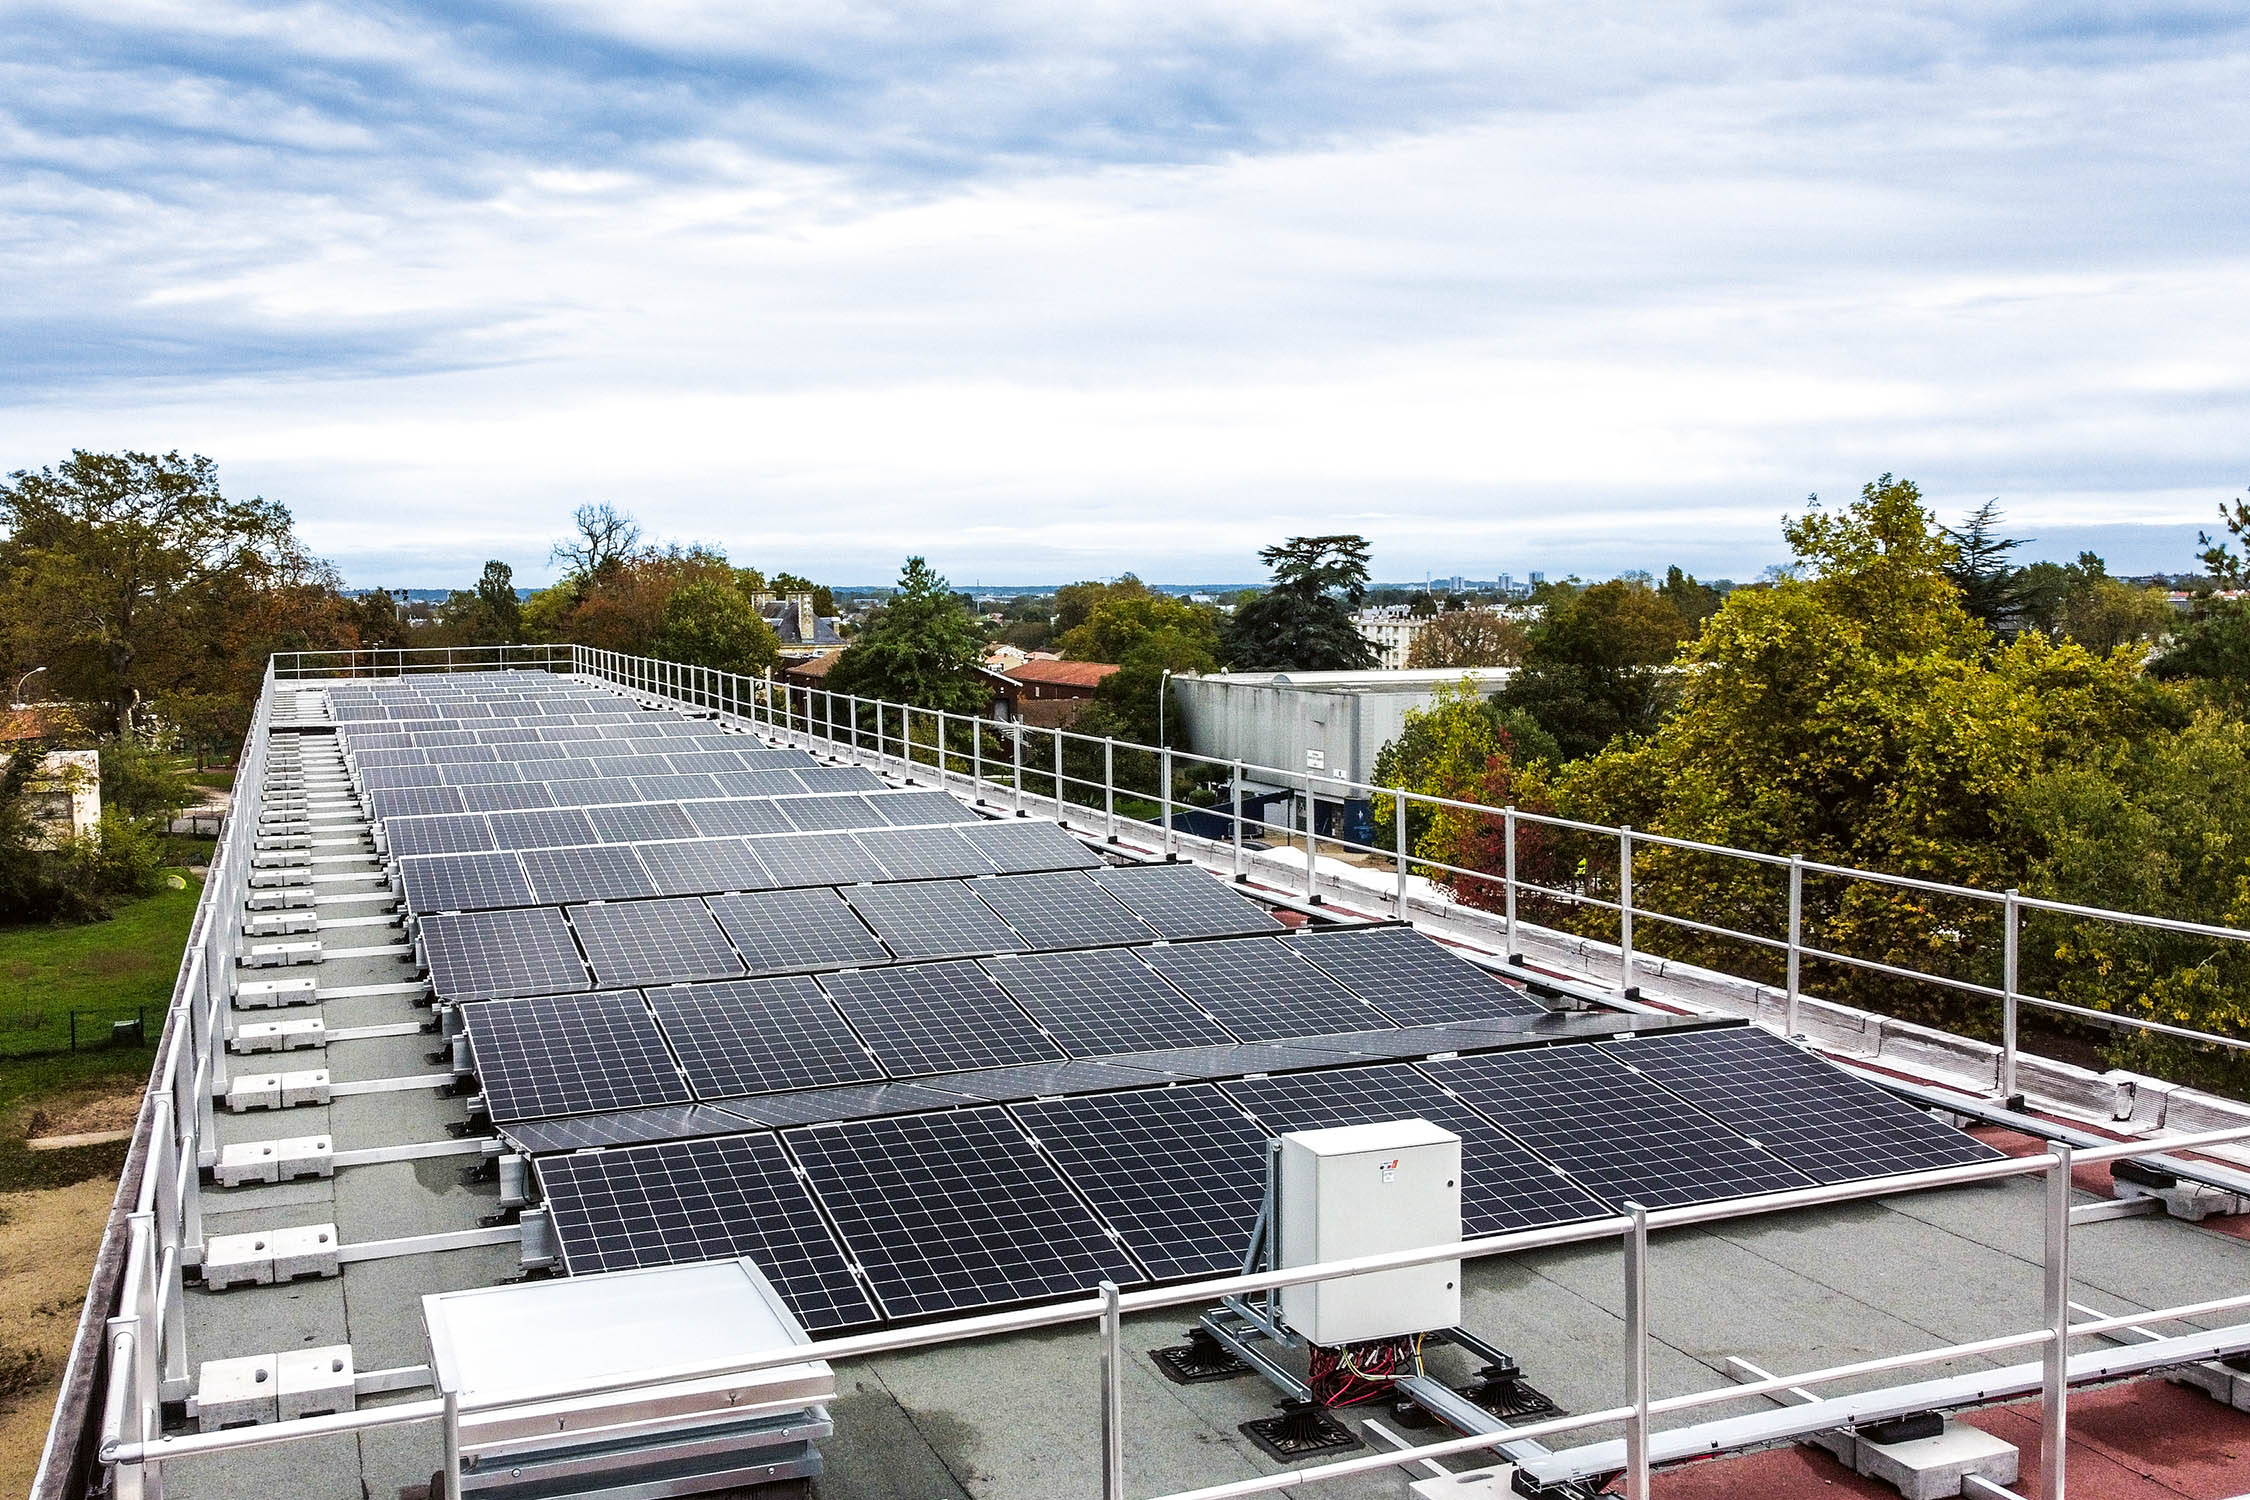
x: 1059, y: 775
x: 2054, y: 1394
x: 976, y: 754
x: 2011, y: 930
x: 1237, y: 784
x: 1113, y: 1395
x: 1636, y: 1354
x: 1312, y: 817
x: 1398, y: 832
x: 943, y: 775
x: 452, y: 1445
x: 1625, y: 908
x: 1164, y: 796
x: 1109, y: 789
x: 1015, y: 761
x: 1796, y: 942
x: 1508, y: 873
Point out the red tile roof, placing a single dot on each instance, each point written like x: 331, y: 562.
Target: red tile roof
x: 1084, y: 674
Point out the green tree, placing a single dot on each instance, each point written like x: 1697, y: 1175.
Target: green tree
x: 1076, y: 602
x: 2210, y: 652
x: 710, y: 624
x: 1304, y: 622
x: 923, y: 647
x: 133, y: 578
x: 1468, y: 638
x: 1696, y: 602
x: 1980, y: 568
x: 503, y: 611
x: 1597, y: 666
x: 2219, y: 558
x: 1444, y: 747
x: 1147, y: 635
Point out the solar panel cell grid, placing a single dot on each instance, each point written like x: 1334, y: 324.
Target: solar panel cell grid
x: 541, y: 828
x: 759, y: 1036
x: 494, y: 954
x: 839, y: 779
x: 638, y: 822
x: 954, y: 1211
x: 777, y: 931
x: 1260, y: 990
x: 1415, y: 981
x: 907, y: 808
x: 737, y: 817
x: 1181, y: 901
x: 699, y: 867
x: 703, y: 1200
x: 932, y: 919
x: 446, y: 833
x: 821, y: 814
x: 570, y: 1054
x: 1062, y: 909
x: 926, y: 853
x: 936, y: 1018
x: 1104, y: 1001
x: 653, y: 942
x: 1021, y: 846
x: 773, y: 782
x: 818, y: 859
x: 662, y: 1122
x: 462, y: 882
x: 602, y: 872
x: 505, y: 796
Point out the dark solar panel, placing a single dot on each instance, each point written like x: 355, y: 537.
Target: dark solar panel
x: 462, y: 882
x: 756, y: 783
x: 412, y: 801
x: 653, y: 942
x: 1611, y: 1129
x: 818, y: 859
x: 570, y: 1055
x: 1181, y: 901
x: 1414, y: 980
x: 452, y: 833
x: 473, y: 773
x: 777, y: 931
x: 483, y: 955
x: 1260, y: 990
x: 1103, y: 1000
x: 839, y: 779
x: 955, y: 1211
x: 696, y: 867
x: 757, y: 1036
x: 822, y: 814
x: 674, y: 787
x: 1178, y: 1172
x: 936, y: 1018
x: 1062, y: 909
x: 1020, y: 846
x: 1503, y: 1186
x: 932, y: 919
x: 541, y: 828
x: 637, y: 823
x: 926, y: 853
x: 906, y: 808
x: 600, y: 872
x: 1813, y: 1115
x: 663, y: 1122
x: 845, y: 1101
x: 584, y: 791
x: 703, y: 1200
x: 739, y: 816
x: 1039, y: 1080
x: 505, y: 796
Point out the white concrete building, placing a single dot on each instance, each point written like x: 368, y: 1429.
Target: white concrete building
x: 1391, y: 628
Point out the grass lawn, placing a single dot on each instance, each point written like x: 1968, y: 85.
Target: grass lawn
x: 104, y: 971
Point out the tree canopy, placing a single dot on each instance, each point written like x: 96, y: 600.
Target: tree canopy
x: 1596, y: 667
x: 1468, y: 638
x: 922, y: 647
x: 1304, y: 622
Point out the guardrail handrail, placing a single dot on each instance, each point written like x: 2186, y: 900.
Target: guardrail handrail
x: 161, y: 1234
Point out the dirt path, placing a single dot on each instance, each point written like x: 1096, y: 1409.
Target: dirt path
x: 47, y: 1245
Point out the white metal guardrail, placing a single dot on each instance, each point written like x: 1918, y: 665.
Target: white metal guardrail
x: 137, y: 1357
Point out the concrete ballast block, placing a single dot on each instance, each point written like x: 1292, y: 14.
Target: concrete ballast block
x: 259, y: 994
x: 309, y: 1250
x: 254, y: 1091
x: 237, y: 1260
x: 282, y: 859
x: 280, y: 1036
x: 248, y: 1161
x: 281, y: 923
x: 279, y: 955
x: 278, y: 898
x: 308, y: 1087
x: 1932, y: 1468
x: 236, y: 1393
x: 316, y: 1382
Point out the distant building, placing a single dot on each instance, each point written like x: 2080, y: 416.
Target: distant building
x: 64, y: 795
x: 1537, y: 578
x: 793, y: 621
x: 1048, y: 692
x: 1391, y: 629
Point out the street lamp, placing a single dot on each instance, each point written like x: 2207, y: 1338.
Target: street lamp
x: 17, y: 695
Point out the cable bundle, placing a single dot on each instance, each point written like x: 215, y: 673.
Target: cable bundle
x: 1352, y: 1373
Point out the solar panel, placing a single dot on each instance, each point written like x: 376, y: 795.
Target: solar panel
x: 1021, y: 845
x: 1225, y: 1060
x: 570, y: 1055
x: 1061, y: 909
x: 777, y: 931
x: 1260, y: 990
x: 486, y: 955
x: 703, y: 1200
x: 662, y: 1122
x: 640, y: 822
x: 412, y: 801
x: 1611, y: 1129
x: 473, y: 773
x: 926, y: 853
x: 1039, y: 1080
x: 1181, y: 901
x: 653, y: 942
x: 1178, y: 1172
x: 1415, y: 981
x: 818, y: 859
x: 696, y: 867
x: 757, y: 1036
x: 1503, y: 1186
x: 904, y: 808
x: 505, y: 796
x: 705, y: 759
x: 585, y: 790
x: 462, y: 882
x: 846, y: 1101
x: 932, y: 919
x: 936, y: 1018
x: 955, y: 1211
x: 598, y: 872
x: 756, y: 783
x: 824, y: 814
x: 674, y: 787
x: 742, y: 815
x: 1813, y: 1115
x: 540, y: 828
x: 451, y: 833
x: 839, y: 779
x: 1103, y: 1000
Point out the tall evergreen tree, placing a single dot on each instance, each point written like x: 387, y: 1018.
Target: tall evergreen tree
x: 1980, y: 569
x: 1304, y: 622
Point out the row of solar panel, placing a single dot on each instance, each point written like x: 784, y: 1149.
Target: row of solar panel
x: 594, y: 790
x: 575, y: 741
x: 626, y: 822
x: 698, y: 759
x: 700, y: 867
x: 612, y: 725
x: 906, y: 1217
x: 570, y: 1053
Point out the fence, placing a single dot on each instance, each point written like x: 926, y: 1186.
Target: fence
x: 132, y: 1346
x: 44, y: 1033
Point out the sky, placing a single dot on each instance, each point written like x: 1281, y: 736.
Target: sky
x: 1056, y: 291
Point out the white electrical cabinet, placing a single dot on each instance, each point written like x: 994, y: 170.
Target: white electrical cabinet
x: 1367, y: 1190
